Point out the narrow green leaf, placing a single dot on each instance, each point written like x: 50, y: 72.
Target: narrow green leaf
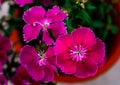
x: 69, y: 25
x: 67, y: 3
x: 109, y: 19
x: 114, y: 29
x: 82, y: 14
x: 90, y: 7
x: 98, y: 24
x: 105, y: 34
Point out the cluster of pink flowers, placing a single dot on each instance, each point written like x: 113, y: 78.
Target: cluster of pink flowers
x: 79, y: 53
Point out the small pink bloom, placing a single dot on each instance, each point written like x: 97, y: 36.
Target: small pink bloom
x: 39, y: 67
x: 23, y: 78
x: 79, y: 53
x: 5, y: 46
x: 23, y: 2
x: 3, y: 80
x: 38, y: 19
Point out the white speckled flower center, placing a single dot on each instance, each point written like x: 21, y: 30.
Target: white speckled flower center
x: 42, y: 59
x: 78, y: 53
x: 45, y: 24
x: 42, y: 62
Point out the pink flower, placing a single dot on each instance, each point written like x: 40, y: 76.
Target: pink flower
x: 23, y: 2
x: 23, y: 78
x: 39, y: 67
x: 38, y: 19
x: 5, y: 46
x: 3, y: 80
x: 79, y: 53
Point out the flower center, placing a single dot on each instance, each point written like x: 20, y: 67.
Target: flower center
x: 42, y: 60
x: 78, y: 53
x: 45, y: 24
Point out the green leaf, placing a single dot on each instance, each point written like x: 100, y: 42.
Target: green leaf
x: 82, y: 14
x: 90, y: 7
x: 109, y: 19
x: 98, y: 24
x: 12, y: 9
x: 101, y: 9
x: 69, y: 25
x: 109, y: 7
x: 67, y: 4
x: 105, y: 34
x: 114, y: 29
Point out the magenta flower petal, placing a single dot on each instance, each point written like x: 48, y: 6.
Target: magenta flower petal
x: 1, y: 1
x: 21, y: 77
x: 97, y: 51
x: 34, y: 14
x: 58, y: 29
x: 5, y: 43
x: 37, y: 73
x: 69, y: 67
x: 1, y: 68
x: 61, y: 60
x: 3, y: 80
x: 23, y: 2
x: 49, y: 75
x: 31, y: 32
x: 52, y: 67
x: 86, y: 69
x: 5, y: 46
x: 62, y: 48
x: 3, y: 56
x: 46, y: 38
x: 27, y: 54
x: 56, y: 14
x: 62, y: 44
x: 50, y: 55
x: 50, y: 52
x: 86, y: 37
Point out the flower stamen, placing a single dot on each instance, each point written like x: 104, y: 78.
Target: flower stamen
x: 78, y: 53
